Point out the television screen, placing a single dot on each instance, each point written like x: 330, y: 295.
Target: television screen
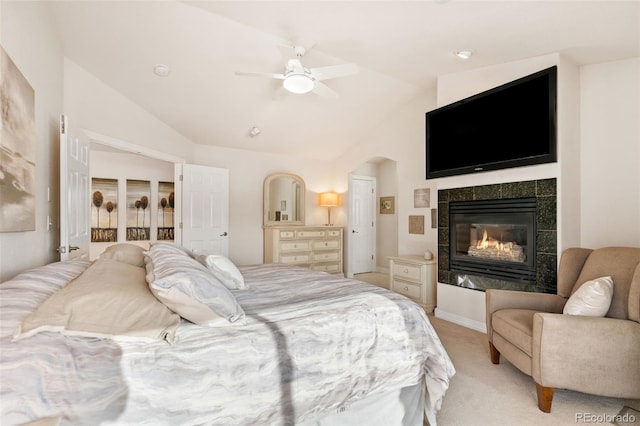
x: 508, y: 126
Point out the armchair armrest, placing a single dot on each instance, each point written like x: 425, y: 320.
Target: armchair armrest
x: 587, y: 354
x: 496, y: 300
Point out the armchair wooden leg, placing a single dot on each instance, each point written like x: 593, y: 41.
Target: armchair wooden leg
x: 495, y: 355
x: 545, y: 397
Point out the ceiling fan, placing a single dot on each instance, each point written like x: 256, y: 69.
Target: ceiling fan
x: 298, y: 79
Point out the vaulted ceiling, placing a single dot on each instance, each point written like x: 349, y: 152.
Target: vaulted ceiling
x: 400, y: 48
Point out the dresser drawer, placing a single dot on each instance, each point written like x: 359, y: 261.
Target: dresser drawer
x: 412, y: 291
x: 310, y: 234
x: 327, y: 267
x: 295, y: 246
x: 333, y: 233
x: 325, y: 257
x: 326, y: 245
x: 409, y: 272
x: 287, y: 234
x: 295, y: 258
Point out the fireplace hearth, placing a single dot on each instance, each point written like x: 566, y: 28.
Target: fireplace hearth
x: 499, y: 236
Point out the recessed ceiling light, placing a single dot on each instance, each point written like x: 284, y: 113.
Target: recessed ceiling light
x: 255, y: 131
x: 464, y: 54
x: 161, y: 70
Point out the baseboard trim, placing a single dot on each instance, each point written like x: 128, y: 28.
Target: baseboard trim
x: 457, y: 319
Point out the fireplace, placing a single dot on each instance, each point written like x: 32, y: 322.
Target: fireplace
x: 519, y: 216
x: 494, y: 238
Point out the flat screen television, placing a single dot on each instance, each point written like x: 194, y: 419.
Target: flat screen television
x: 508, y: 126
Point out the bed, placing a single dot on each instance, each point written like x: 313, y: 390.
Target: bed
x: 307, y: 348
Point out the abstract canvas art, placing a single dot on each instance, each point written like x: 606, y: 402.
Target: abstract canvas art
x: 17, y: 149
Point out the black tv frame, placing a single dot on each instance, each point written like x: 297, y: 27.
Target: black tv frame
x: 549, y: 157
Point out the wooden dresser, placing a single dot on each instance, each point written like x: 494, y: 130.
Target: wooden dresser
x: 318, y: 247
x: 414, y: 277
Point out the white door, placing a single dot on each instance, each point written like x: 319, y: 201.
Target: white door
x: 361, y: 232
x: 205, y: 209
x: 74, y: 193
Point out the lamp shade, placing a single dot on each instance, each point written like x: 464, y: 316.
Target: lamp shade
x: 328, y: 199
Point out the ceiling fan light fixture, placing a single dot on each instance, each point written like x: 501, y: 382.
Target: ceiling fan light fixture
x: 298, y: 83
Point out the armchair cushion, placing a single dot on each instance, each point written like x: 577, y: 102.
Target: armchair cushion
x: 516, y: 326
x: 592, y: 299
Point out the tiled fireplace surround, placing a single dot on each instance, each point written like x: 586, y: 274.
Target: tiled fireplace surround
x: 545, y: 193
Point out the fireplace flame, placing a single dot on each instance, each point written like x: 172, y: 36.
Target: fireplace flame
x: 498, y: 249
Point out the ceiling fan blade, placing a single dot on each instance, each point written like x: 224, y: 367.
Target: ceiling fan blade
x: 325, y: 73
x: 261, y: 74
x: 323, y: 90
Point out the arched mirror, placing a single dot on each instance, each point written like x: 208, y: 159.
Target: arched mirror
x: 283, y: 195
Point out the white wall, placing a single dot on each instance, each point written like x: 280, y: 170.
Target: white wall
x: 247, y: 171
x: 94, y: 106
x: 29, y: 38
x: 610, y: 155
x: 401, y: 139
x: 387, y: 224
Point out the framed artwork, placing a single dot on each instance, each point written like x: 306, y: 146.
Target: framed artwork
x: 416, y: 224
x: 387, y: 205
x: 138, y: 214
x: 165, y: 211
x: 421, y: 198
x: 434, y: 218
x: 104, y: 210
x: 17, y: 149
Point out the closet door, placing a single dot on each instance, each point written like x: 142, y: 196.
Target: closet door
x: 205, y: 209
x: 74, y: 193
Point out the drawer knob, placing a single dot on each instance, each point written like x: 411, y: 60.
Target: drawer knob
x: 406, y: 271
x: 406, y: 288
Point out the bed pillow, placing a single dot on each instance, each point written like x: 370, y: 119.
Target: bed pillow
x: 190, y: 290
x: 124, y: 252
x: 223, y: 269
x: 171, y: 248
x: 593, y: 298
x: 110, y: 299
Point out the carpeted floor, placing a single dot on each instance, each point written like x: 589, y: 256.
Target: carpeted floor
x: 484, y: 394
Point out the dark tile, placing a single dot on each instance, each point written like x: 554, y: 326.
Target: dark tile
x: 547, y: 272
x: 443, y: 276
x: 443, y: 195
x: 487, y: 192
x: 546, y: 187
x: 547, y: 241
x: 519, y: 189
x: 443, y: 215
x: 443, y: 235
x: 546, y: 214
x: 461, y: 194
x: 443, y: 257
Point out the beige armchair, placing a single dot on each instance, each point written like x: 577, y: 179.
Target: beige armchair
x: 587, y: 354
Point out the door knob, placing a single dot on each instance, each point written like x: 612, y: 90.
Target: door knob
x: 354, y: 231
x: 72, y: 248
x: 224, y: 234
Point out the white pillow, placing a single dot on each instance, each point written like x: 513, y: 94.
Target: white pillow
x: 223, y: 269
x: 593, y: 298
x: 110, y: 299
x: 170, y: 247
x: 187, y: 288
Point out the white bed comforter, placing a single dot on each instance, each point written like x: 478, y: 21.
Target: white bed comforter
x: 312, y: 343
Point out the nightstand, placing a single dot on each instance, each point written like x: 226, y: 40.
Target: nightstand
x: 414, y: 277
